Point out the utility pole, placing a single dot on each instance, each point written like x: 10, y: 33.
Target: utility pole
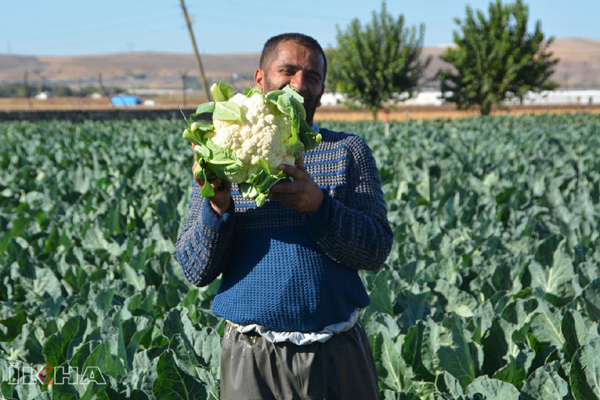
x: 26, y: 81
x: 104, y: 90
x: 189, y: 25
x: 183, y: 77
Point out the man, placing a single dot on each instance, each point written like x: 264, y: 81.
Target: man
x: 290, y: 289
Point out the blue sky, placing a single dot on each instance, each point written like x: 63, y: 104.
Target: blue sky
x: 61, y: 27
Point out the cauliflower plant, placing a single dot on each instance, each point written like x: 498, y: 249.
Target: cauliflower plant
x: 251, y: 134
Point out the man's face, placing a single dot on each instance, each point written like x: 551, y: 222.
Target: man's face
x: 299, y: 67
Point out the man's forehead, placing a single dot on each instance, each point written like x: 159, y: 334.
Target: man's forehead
x: 289, y: 52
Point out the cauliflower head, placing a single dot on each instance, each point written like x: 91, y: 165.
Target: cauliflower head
x: 264, y: 134
x: 250, y: 136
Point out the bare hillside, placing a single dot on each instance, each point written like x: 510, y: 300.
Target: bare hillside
x: 579, y: 66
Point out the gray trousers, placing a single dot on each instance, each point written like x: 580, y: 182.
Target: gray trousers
x: 341, y: 368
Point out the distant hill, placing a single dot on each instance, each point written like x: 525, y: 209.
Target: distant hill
x: 579, y: 67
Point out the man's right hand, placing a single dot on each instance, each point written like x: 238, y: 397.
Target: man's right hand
x: 220, y: 201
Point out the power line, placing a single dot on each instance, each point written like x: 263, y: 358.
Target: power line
x: 117, y: 35
x: 278, y: 12
x: 78, y: 31
x: 76, y: 16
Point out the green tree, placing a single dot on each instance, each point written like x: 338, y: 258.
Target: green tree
x: 495, y: 58
x: 374, y: 65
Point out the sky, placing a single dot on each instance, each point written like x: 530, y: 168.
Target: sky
x: 62, y: 27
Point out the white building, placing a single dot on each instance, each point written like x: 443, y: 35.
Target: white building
x: 560, y: 97
x: 434, y: 98
x: 43, y: 96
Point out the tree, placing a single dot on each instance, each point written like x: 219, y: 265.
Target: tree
x: 496, y: 58
x: 376, y: 64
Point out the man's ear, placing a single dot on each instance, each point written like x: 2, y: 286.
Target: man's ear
x: 321, y: 95
x: 259, y: 79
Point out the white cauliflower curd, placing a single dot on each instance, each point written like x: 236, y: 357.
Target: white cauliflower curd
x: 262, y: 135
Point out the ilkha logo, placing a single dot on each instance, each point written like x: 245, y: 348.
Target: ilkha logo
x: 44, y: 377
x: 62, y: 376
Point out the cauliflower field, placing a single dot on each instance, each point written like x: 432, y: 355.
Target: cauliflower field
x: 492, y: 289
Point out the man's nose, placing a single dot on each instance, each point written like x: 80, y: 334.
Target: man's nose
x: 298, y: 82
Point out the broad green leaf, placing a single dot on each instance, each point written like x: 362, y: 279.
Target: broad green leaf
x: 227, y: 111
x: 207, y: 189
x: 184, y: 353
x: 395, y: 374
x: 545, y: 383
x: 412, y: 351
x: 221, y: 92
x: 59, y: 347
x: 309, y: 138
x: 482, y: 320
x: 585, y: 372
x: 10, y: 327
x: 545, y: 252
x: 446, y: 383
x: 424, y: 186
x: 258, y: 184
x: 381, y: 297
x: 457, y: 301
x: 492, y: 389
x: 515, y: 372
x: 384, y: 324
x: 132, y: 276
x: 29, y: 392
x: 446, y: 348
x: 413, y: 307
x: 173, y: 383
x: 591, y: 298
x: 545, y: 325
x: 208, y: 107
x: 273, y: 96
x: 196, y: 136
x: 251, y: 91
x: 576, y: 331
x: 295, y: 95
x: 556, y: 284
x: 107, y: 363
x: 8, y: 378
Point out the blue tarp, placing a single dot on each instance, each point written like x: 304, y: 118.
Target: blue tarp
x: 125, y: 100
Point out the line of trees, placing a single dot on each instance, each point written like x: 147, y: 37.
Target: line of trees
x: 494, y: 58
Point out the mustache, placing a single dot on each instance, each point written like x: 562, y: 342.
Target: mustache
x: 308, y: 99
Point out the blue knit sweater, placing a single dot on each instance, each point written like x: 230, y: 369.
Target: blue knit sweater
x: 282, y: 269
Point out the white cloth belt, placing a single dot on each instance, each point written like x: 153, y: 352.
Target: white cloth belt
x: 299, y: 338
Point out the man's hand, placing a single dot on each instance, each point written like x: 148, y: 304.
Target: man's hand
x: 220, y: 201
x: 303, y: 194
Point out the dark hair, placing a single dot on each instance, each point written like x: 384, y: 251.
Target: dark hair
x: 304, y: 40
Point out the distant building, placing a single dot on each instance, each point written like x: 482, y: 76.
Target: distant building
x: 95, y: 96
x: 43, y: 96
x: 332, y: 99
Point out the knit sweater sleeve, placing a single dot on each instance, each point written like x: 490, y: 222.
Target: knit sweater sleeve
x: 205, y: 242
x: 355, y: 234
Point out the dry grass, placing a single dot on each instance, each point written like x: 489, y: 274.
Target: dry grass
x: 84, y: 103
x: 449, y: 112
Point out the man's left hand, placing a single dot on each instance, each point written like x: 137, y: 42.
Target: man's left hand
x: 302, y: 194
